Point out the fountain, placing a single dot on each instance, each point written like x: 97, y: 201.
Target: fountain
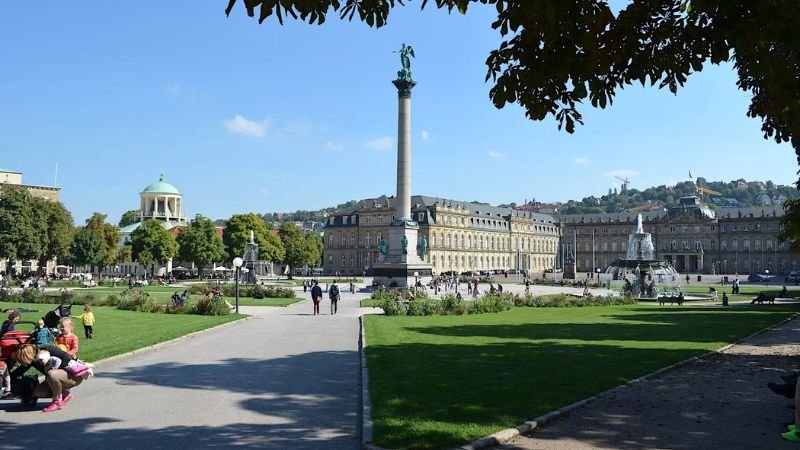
x: 640, y: 273
x: 255, y: 270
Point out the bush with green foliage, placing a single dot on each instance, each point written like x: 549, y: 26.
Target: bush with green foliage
x: 209, y: 306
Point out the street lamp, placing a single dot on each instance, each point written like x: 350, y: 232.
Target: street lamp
x: 237, y: 263
x: 766, y: 272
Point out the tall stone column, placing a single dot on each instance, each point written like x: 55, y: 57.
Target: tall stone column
x: 404, y: 148
x: 400, y: 264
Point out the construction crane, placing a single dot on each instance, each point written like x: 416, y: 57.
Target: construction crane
x: 625, y: 182
x: 704, y: 190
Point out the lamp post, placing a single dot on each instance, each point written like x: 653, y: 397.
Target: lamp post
x: 237, y: 263
x: 766, y: 272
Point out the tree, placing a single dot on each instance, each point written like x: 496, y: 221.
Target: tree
x: 86, y: 248
x: 125, y: 253
x: 109, y: 235
x: 20, y: 237
x: 316, y: 248
x: 237, y: 234
x: 128, y: 218
x: 151, y: 243
x: 56, y: 230
x: 299, y: 251
x: 200, y: 244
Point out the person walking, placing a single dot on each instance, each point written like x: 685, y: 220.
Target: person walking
x: 333, y: 294
x: 316, y: 297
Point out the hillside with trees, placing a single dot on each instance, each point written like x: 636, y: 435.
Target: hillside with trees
x: 737, y: 193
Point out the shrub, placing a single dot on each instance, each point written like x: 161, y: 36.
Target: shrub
x: 208, y: 306
x: 393, y: 308
x: 422, y: 307
x: 32, y: 296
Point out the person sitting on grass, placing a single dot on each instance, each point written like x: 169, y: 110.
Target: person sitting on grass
x: 784, y: 293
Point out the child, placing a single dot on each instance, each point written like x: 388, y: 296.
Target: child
x: 71, y: 366
x: 66, y: 339
x: 8, y: 325
x: 88, y: 320
x: 42, y: 335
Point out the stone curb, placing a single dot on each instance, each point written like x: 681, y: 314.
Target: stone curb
x: 505, y: 436
x: 159, y: 345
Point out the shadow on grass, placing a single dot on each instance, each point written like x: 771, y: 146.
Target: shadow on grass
x: 685, y: 324
x: 309, y: 400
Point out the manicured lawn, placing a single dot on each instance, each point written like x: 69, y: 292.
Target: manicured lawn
x: 118, y: 331
x: 440, y: 381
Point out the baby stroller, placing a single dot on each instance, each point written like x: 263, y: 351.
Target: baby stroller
x: 22, y: 385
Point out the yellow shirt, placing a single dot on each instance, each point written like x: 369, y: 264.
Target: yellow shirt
x: 86, y: 318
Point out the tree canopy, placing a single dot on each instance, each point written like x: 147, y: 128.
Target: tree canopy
x: 200, y: 244
x: 128, y: 218
x: 237, y: 234
x: 56, y: 229
x: 299, y: 250
x: 20, y: 238
x: 151, y: 243
x: 87, y: 248
x: 108, y: 235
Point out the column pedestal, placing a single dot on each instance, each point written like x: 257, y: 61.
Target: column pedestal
x: 399, y: 269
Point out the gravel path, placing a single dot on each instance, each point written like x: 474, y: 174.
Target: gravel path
x: 717, y: 402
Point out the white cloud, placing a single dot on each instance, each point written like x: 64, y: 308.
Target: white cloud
x: 379, y: 144
x: 424, y: 135
x: 174, y: 90
x: 246, y: 127
x: 582, y: 161
x: 496, y: 155
x: 622, y: 173
x: 334, y: 146
x: 264, y: 191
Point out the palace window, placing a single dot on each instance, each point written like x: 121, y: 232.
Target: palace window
x: 769, y: 245
x: 734, y: 245
x: 344, y: 240
x: 723, y: 245
x: 757, y: 244
x: 352, y: 239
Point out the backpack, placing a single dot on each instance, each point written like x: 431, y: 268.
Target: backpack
x: 334, y: 291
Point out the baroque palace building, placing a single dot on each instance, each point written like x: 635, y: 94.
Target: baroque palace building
x: 693, y: 237
x: 461, y: 236
x: 464, y: 237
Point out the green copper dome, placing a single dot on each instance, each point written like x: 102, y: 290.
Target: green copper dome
x: 161, y: 187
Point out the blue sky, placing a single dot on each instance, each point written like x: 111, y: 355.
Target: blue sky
x: 244, y: 117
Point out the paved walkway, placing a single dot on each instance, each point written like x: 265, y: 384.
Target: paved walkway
x: 282, y: 379
x: 718, y: 402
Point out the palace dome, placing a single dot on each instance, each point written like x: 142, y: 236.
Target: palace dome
x: 161, y: 187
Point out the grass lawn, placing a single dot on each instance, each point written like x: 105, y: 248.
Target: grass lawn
x: 118, y: 331
x: 441, y: 381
